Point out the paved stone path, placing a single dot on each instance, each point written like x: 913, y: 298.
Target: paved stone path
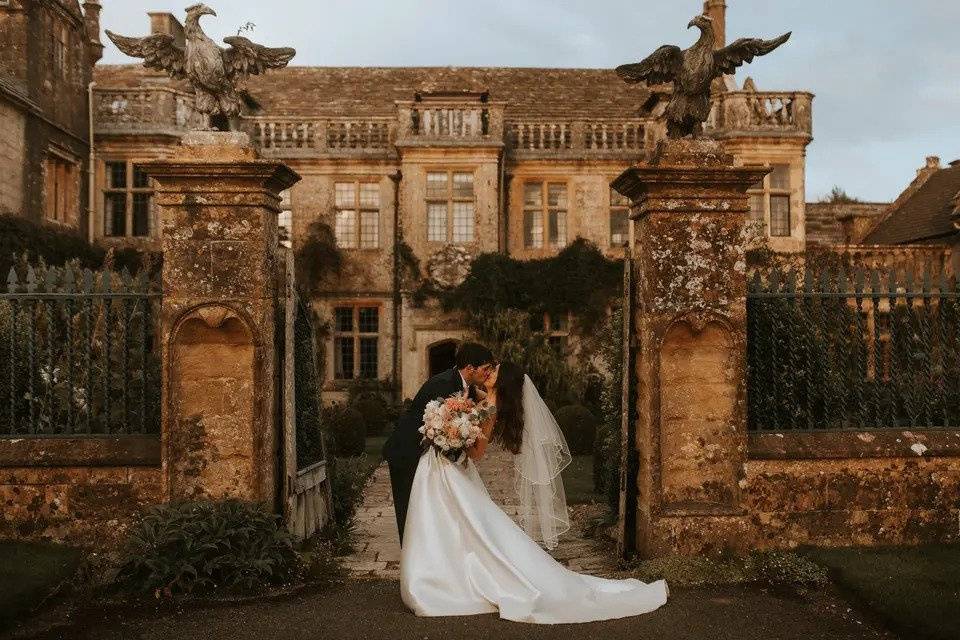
x: 377, y: 552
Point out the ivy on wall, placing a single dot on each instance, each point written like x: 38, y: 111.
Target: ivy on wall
x: 579, y: 280
x: 318, y: 258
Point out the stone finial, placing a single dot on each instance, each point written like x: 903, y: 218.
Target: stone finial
x: 716, y: 10
x: 166, y: 22
x: 91, y: 25
x: 933, y: 162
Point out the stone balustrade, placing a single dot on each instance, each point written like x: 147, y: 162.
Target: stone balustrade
x: 291, y: 137
x: 152, y: 110
x: 449, y: 122
x: 761, y: 113
x: 579, y: 137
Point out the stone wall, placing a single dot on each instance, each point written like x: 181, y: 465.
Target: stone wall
x: 12, y: 133
x: 46, y: 63
x: 830, y: 224
x: 82, y: 491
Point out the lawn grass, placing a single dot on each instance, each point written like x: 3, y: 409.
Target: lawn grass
x: 915, y: 590
x: 29, y: 572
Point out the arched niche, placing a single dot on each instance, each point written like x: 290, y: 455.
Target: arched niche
x: 211, y: 441
x: 699, y: 451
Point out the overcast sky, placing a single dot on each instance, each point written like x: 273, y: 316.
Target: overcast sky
x: 886, y: 73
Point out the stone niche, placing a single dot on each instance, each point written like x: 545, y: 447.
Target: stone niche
x: 698, y: 411
x: 212, y: 451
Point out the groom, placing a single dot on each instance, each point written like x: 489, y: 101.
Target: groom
x: 402, y: 450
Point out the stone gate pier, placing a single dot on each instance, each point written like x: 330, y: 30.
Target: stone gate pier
x: 218, y: 225
x: 689, y: 331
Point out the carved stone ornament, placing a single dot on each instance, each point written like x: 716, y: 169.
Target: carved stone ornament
x: 692, y: 72
x: 449, y: 266
x: 213, y: 72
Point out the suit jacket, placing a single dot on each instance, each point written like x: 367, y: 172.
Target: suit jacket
x: 403, y: 445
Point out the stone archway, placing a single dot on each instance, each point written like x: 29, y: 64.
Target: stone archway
x: 441, y: 356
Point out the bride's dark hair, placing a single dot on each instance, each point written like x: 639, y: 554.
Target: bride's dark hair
x: 508, y: 430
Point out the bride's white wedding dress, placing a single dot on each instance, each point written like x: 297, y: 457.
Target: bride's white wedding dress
x: 462, y: 555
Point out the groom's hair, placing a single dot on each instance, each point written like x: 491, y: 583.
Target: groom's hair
x: 471, y: 353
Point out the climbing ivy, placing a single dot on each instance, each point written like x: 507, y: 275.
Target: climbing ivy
x: 579, y: 280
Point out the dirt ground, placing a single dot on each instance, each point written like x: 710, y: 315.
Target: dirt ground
x: 372, y: 609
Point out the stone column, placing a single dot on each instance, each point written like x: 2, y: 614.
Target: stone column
x: 218, y: 227
x: 689, y: 332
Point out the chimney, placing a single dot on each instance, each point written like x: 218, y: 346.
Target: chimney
x: 931, y: 166
x: 91, y: 24
x: 716, y: 10
x: 162, y: 22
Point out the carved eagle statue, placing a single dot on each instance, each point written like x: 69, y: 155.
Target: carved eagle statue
x: 692, y: 73
x: 213, y: 71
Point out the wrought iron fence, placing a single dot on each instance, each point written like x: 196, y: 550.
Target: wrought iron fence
x: 77, y: 354
x: 861, y: 349
x: 310, y: 446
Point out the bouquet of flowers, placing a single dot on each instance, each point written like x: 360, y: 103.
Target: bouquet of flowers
x: 453, y: 425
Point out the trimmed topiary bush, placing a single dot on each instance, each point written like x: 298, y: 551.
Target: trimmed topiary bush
x: 197, y: 546
x: 373, y: 408
x: 579, y: 427
x: 346, y: 428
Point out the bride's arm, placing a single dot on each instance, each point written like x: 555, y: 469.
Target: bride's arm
x: 477, y: 450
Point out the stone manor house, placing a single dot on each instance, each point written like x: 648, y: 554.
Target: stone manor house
x: 452, y: 162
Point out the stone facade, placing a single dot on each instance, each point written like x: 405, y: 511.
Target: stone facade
x: 47, y: 52
x: 219, y: 207
x: 691, y: 209
x: 570, y: 131
x: 703, y: 483
x: 78, y: 489
x: 13, y: 125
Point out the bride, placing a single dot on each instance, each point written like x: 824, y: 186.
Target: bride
x: 462, y: 555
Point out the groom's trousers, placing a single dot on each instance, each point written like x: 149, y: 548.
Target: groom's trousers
x: 402, y: 472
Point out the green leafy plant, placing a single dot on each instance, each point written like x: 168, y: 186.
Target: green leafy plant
x: 346, y: 428
x: 606, y: 448
x: 348, y: 477
x: 318, y: 258
x: 579, y: 280
x: 579, y: 427
x: 197, y: 546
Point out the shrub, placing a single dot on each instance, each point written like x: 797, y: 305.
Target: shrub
x: 37, y: 242
x: 191, y: 546
x: 372, y: 399
x: 348, y: 478
x: 607, y: 446
x: 373, y: 408
x: 579, y: 427
x: 346, y: 428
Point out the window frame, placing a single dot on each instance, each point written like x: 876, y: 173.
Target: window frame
x: 65, y: 202
x: 545, y: 210
x: 356, y: 336
x: 358, y: 209
x: 129, y: 191
x: 616, y: 207
x: 559, y: 337
x: 766, y: 191
x: 451, y: 200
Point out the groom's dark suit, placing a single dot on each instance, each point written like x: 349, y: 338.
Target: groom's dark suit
x: 402, y: 450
